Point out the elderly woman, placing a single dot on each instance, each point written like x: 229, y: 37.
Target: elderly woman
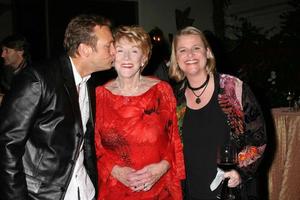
x: 213, y: 109
x: 138, y: 146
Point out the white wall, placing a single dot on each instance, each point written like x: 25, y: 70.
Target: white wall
x: 161, y: 13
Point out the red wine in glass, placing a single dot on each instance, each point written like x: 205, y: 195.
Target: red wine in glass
x: 226, y: 160
x: 226, y: 166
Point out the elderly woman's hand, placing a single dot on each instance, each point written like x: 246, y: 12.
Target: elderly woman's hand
x: 122, y: 174
x: 145, y: 178
x: 234, y: 178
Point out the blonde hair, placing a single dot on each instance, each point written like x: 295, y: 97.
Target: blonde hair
x: 138, y: 35
x: 174, y: 71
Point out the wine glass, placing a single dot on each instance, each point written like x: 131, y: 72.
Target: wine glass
x: 290, y: 98
x: 226, y: 160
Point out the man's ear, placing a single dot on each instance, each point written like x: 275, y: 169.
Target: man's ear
x: 20, y: 53
x: 84, y: 50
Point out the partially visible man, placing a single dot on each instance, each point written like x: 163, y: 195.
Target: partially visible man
x: 16, y: 56
x: 46, y: 120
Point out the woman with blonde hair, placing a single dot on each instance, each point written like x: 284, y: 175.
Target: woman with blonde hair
x: 212, y: 110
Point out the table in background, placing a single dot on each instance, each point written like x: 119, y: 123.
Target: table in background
x: 284, y: 174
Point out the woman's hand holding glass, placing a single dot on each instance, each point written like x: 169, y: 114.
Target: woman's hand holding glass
x: 227, y: 160
x: 234, y: 178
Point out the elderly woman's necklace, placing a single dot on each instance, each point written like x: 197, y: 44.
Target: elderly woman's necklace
x: 204, y: 86
x: 132, y: 91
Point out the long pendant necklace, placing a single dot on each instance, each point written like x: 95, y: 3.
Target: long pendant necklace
x: 198, y: 100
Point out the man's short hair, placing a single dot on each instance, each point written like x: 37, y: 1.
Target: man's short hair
x: 81, y: 30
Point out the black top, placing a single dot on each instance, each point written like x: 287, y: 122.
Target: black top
x: 203, y: 131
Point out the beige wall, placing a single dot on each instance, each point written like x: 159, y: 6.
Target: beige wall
x: 263, y: 14
x: 161, y: 13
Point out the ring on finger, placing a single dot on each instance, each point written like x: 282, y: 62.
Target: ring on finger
x: 146, y: 187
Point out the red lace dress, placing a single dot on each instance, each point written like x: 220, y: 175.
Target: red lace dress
x: 136, y: 131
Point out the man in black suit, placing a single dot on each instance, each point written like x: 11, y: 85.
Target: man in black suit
x: 46, y: 120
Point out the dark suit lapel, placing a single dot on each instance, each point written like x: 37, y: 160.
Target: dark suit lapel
x: 70, y: 87
x: 92, y: 98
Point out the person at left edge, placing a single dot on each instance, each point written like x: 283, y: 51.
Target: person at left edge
x: 16, y: 56
x: 46, y: 121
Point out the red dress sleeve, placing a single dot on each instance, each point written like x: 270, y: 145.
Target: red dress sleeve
x: 105, y: 161
x: 174, y: 151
